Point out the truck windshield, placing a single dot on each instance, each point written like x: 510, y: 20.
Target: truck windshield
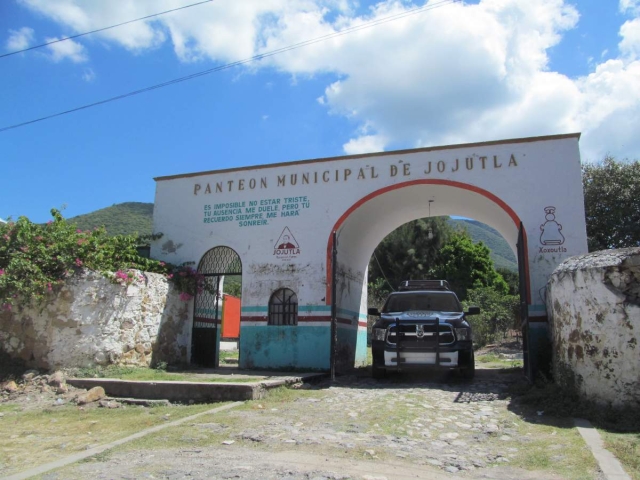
x: 432, y: 301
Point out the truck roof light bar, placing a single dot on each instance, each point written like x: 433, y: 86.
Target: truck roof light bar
x: 424, y: 285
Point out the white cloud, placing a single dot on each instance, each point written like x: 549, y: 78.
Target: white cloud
x: 630, y: 43
x: 462, y: 72
x: 66, y: 50
x: 19, y: 39
x: 364, y: 144
x: 88, y: 75
x: 630, y: 6
x: 610, y: 109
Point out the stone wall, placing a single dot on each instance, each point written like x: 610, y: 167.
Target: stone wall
x: 594, y: 306
x: 93, y: 321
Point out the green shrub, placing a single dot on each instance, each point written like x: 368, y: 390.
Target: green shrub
x: 498, y: 314
x: 35, y: 260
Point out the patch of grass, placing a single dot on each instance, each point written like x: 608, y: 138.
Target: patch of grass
x: 228, y: 355
x: 155, y: 375
x: 491, y: 360
x: 9, y: 407
x: 284, y: 394
x: 619, y: 427
x: 626, y: 448
x: 488, y: 358
x: 555, y: 446
x: 31, y: 438
x: 214, y: 429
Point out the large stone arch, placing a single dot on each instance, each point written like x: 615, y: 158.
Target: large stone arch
x: 364, y: 224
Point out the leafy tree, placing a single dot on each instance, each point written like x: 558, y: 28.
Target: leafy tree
x: 466, y: 265
x: 499, y: 313
x: 512, y: 278
x: 407, y: 253
x: 612, y: 204
x: 233, y: 285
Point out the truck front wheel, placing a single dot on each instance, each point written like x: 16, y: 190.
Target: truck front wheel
x: 467, y: 364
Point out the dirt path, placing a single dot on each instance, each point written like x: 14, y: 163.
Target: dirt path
x: 246, y: 463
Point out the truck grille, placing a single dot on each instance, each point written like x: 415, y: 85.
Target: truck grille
x: 421, y: 334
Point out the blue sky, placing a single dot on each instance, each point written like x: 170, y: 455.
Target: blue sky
x: 482, y: 70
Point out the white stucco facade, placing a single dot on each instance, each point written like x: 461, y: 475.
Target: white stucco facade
x: 536, y: 181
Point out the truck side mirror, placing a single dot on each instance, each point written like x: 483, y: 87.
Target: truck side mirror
x: 473, y: 311
x: 373, y: 311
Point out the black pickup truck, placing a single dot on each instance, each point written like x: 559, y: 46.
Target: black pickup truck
x: 422, y: 326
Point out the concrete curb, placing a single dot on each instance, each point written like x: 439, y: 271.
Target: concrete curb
x: 609, y: 464
x: 63, y: 462
x: 189, y: 392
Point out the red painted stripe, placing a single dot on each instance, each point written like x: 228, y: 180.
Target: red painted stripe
x: 253, y: 319
x: 465, y: 186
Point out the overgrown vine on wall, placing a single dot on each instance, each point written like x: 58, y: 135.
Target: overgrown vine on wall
x: 35, y: 260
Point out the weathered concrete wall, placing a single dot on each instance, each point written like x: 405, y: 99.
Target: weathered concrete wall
x: 92, y: 321
x: 594, y: 303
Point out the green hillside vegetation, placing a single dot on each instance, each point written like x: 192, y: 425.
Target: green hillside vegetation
x: 130, y: 217
x: 121, y: 219
x: 501, y: 253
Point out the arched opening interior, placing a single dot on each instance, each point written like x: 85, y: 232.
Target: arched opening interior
x: 217, y: 305
x: 366, y: 223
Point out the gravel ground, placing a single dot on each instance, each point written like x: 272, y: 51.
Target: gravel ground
x: 356, y: 427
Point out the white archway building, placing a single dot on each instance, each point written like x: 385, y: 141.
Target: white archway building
x: 280, y: 218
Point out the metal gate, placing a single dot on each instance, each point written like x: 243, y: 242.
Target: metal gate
x: 524, y: 304
x: 214, y: 265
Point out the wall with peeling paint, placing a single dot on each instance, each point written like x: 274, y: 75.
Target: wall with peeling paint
x: 92, y: 321
x: 364, y: 198
x: 594, y: 305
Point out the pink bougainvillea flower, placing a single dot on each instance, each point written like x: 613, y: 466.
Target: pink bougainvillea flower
x: 49, y: 287
x: 78, y: 262
x: 170, y: 276
x: 185, y: 297
x: 1, y: 272
x: 49, y: 222
x: 162, y: 264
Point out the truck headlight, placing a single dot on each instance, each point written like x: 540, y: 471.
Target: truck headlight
x: 463, y: 334
x: 379, y: 333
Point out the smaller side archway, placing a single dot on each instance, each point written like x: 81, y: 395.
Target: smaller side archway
x: 214, y: 265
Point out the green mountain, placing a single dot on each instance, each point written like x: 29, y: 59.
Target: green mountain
x: 131, y: 217
x: 501, y: 253
x: 120, y: 219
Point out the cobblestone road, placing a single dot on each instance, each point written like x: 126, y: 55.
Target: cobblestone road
x: 358, y: 427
